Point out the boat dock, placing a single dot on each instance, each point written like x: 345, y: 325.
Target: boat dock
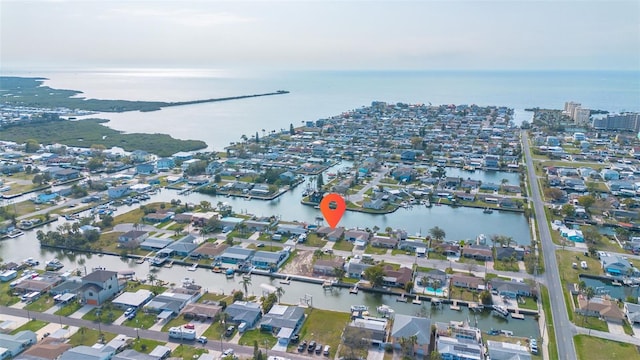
x: 354, y: 289
x: 416, y: 301
x: 402, y: 298
x: 517, y: 315
x: 454, y: 306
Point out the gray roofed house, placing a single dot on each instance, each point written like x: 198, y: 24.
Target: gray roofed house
x: 236, y: 255
x: 132, y: 238
x: 130, y: 354
x: 169, y: 301
x: 99, y: 286
x: 281, y: 317
x: 456, y: 348
x: 616, y: 265
x: 355, y: 268
x: 184, y: 246
x: 244, y: 312
x: 405, y: 326
x: 16, y: 343
x: 511, y: 288
x: 632, y: 312
x: 267, y: 260
x: 88, y: 353
x: 507, y: 351
x: 154, y: 244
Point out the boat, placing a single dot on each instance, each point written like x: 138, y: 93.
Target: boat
x: 487, y: 211
x: 493, y: 332
x: 193, y: 267
x: 169, y: 265
x: 53, y: 265
x: 158, y: 261
x: 385, y: 310
x: 481, y: 239
x: 500, y: 311
x: 616, y: 283
x: 31, y: 262
x: 286, y: 281
x: 359, y: 308
x: 416, y: 301
x: 140, y: 260
x: 15, y: 233
x: 229, y: 272
x: 217, y: 269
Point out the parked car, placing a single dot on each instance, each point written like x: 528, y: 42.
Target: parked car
x: 318, y: 349
x: 302, y: 347
x: 189, y: 326
x: 202, y: 340
x: 327, y: 350
x: 129, y: 311
x: 312, y: 346
x: 229, y: 332
x: 295, y: 339
x: 228, y: 352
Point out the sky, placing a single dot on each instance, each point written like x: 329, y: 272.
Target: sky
x: 368, y: 35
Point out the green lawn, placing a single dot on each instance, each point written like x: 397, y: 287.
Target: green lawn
x: 315, y: 240
x: 262, y: 337
x: 343, y: 245
x: 69, y: 309
x: 145, y: 345
x: 107, y: 316
x: 546, y: 305
x: 529, y: 303
x: 592, y: 348
x: 506, y: 266
x: 590, y: 322
x: 374, y: 250
x: 33, y: 325
x: 40, y: 305
x: 568, y: 273
x: 177, y: 321
x: 266, y: 247
x: 187, y: 352
x: 215, y: 331
x: 323, y: 326
x: 89, y: 337
x: 142, y: 321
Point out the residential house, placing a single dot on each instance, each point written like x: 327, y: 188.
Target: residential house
x: 574, y: 235
x: 511, y: 289
x: 49, y: 348
x: 201, y: 312
x: 616, y: 265
x: 158, y: 216
x: 155, y: 244
x: 384, y: 242
x: 170, y: 303
x: 133, y: 238
x: 89, y: 353
x: 600, y: 307
x: 467, y: 282
x: 416, y: 246
x: 145, y: 169
x: 283, y: 321
x: 323, y: 267
x: 14, y: 344
x: 632, y: 312
x: 266, y: 260
x: 448, y: 249
x: 61, y: 174
x: 165, y: 164
x: 184, y: 246
x: 507, y: 351
x: 478, y: 252
x: 130, y: 299
x: 236, y: 255
x: 41, y: 283
x: 130, y: 354
x: 506, y: 253
x: 331, y: 234
x: 431, y: 277
x: 397, y: 278
x: 117, y: 192
x: 360, y: 238
x: 405, y: 327
x: 99, y: 286
x: 459, y: 349
x: 375, y: 329
x: 355, y: 268
x: 244, y: 312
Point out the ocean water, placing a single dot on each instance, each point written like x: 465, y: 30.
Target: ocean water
x: 318, y: 94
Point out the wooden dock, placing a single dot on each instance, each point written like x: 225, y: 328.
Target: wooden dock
x: 517, y: 315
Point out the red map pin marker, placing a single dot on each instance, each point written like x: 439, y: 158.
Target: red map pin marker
x: 333, y: 215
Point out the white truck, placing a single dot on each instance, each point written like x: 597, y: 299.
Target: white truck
x: 181, y: 333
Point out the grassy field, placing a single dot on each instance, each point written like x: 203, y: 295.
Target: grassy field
x: 33, y: 325
x: 343, y: 245
x: 315, y: 240
x: 215, y: 331
x: 69, y: 309
x: 264, y: 338
x: 89, y: 337
x: 187, y: 352
x: 529, y: 303
x: 107, y: 316
x: 145, y: 345
x: 546, y: 305
x: 40, y: 305
x: 324, y: 327
x: 592, y: 348
x: 142, y: 321
x: 590, y: 322
x: 177, y: 321
x: 374, y: 250
x: 568, y: 273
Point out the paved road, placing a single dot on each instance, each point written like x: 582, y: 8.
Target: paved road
x: 215, y: 345
x: 564, y: 330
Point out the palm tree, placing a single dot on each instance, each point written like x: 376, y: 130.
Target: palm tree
x: 246, y: 281
x: 589, y: 293
x: 339, y: 272
x: 279, y: 292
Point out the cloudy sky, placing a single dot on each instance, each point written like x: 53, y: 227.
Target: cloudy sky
x: 507, y: 34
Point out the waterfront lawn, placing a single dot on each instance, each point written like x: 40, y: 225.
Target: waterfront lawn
x: 6, y: 295
x: 590, y: 322
x: 211, y: 296
x: 315, y: 240
x: 546, y: 305
x: 42, y: 304
x: 142, y: 320
x: 323, y: 326
x: 107, y: 316
x: 108, y: 242
x: 528, y: 303
x: 33, y: 325
x: 135, y: 285
x: 69, y: 309
x: 145, y: 345
x: 89, y: 337
x: 463, y: 294
x: 262, y: 337
x: 589, y: 347
x: 568, y: 273
x: 187, y: 352
x: 343, y: 245
x: 374, y: 250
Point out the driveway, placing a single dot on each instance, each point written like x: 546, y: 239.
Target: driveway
x: 82, y: 312
x: 375, y: 354
x: 615, y: 328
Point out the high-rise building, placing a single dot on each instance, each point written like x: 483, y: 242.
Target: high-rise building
x: 570, y: 107
x: 626, y: 121
x: 581, y: 115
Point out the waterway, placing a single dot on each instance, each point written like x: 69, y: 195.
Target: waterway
x: 605, y: 287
